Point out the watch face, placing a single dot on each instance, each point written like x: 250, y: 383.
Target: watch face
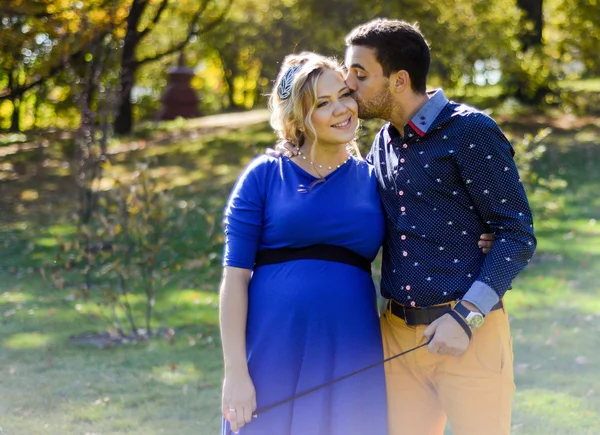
x: 475, y: 320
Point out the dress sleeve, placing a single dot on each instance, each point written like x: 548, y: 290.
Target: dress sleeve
x: 243, y: 218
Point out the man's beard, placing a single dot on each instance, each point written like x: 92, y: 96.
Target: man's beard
x: 379, y: 107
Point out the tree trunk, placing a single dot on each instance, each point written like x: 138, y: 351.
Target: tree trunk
x: 229, y: 55
x: 15, y: 119
x: 230, y: 92
x: 124, y: 119
x: 533, y: 10
x: 15, y: 100
x: 531, y: 39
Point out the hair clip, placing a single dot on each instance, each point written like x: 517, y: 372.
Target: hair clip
x: 284, y: 90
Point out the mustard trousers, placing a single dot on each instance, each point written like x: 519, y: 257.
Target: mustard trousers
x: 473, y: 391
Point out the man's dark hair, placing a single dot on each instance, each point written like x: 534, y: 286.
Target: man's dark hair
x: 398, y: 45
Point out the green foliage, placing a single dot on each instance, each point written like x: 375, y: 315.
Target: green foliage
x: 53, y: 385
x: 473, y: 43
x: 543, y: 191
x: 123, y: 258
x: 573, y: 37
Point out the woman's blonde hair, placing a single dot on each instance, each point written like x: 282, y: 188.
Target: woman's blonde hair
x: 291, y: 115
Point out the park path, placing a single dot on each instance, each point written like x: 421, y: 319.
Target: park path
x: 236, y: 119
x: 26, y: 166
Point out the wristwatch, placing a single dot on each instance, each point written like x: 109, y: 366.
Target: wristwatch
x: 473, y: 318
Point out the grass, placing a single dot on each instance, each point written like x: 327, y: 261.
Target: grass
x: 584, y: 85
x: 171, y: 385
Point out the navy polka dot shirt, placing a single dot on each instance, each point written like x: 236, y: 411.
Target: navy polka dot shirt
x: 449, y: 178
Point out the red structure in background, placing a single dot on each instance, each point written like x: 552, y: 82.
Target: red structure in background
x: 179, y: 99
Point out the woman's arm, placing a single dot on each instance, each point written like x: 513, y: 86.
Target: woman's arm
x: 239, y: 397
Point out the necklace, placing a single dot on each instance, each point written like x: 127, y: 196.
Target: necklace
x: 314, y: 164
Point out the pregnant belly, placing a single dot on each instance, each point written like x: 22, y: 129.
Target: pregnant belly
x: 311, y: 286
x: 312, y: 306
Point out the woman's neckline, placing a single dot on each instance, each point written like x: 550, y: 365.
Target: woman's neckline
x: 326, y: 177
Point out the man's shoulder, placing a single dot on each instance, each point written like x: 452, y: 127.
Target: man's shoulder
x: 467, y: 116
x: 476, y: 127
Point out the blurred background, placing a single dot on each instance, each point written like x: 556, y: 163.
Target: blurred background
x: 124, y: 124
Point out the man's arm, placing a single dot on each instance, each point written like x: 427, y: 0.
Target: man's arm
x: 492, y: 180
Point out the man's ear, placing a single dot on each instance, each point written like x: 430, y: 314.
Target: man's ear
x: 400, y: 81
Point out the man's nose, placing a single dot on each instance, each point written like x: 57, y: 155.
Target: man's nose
x: 350, y: 82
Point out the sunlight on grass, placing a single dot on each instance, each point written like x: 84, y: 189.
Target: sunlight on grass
x: 27, y: 340
x: 15, y: 226
x: 175, y: 374
x: 46, y: 242
x: 15, y: 297
x: 29, y: 195
x: 193, y: 305
x: 585, y: 85
x: 195, y: 297
x: 62, y: 230
x: 556, y: 409
x: 51, y: 385
x: 103, y: 408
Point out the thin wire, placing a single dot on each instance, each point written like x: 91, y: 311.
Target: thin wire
x: 319, y: 387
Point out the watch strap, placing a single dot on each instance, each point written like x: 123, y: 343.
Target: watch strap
x: 462, y: 322
x: 462, y: 310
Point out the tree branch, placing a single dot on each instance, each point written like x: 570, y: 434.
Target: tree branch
x: 207, y: 28
x: 155, y: 20
x: 7, y: 94
x: 193, y: 30
x: 19, y: 91
x: 16, y: 12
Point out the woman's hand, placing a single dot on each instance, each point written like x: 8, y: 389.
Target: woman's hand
x: 239, y: 399
x: 486, y: 242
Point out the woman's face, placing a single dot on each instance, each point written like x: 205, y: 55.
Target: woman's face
x: 335, y: 117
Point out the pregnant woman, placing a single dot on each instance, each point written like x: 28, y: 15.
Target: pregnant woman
x: 291, y: 318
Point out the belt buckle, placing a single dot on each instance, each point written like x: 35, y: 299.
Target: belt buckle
x: 409, y: 322
x: 392, y: 302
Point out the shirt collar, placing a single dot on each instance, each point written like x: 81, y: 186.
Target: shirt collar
x: 425, y: 117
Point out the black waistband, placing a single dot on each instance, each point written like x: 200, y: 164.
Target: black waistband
x: 424, y: 315
x: 335, y: 253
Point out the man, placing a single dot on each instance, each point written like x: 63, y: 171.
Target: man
x: 446, y: 175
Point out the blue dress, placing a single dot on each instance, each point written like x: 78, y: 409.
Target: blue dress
x: 310, y: 321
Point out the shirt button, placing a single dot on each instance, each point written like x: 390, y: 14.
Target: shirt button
x: 408, y: 287
x: 403, y: 237
x: 401, y: 192
x: 404, y: 253
x: 402, y: 208
x: 405, y: 146
x: 402, y: 160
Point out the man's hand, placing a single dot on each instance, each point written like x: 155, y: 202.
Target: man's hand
x: 449, y: 338
x: 289, y: 150
x: 274, y: 153
x: 486, y: 242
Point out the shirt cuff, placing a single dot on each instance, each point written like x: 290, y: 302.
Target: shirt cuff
x: 482, y: 296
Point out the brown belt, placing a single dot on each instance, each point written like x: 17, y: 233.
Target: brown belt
x: 424, y: 315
